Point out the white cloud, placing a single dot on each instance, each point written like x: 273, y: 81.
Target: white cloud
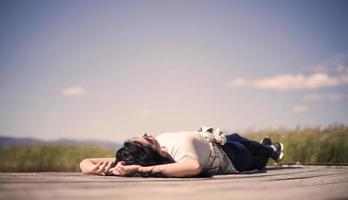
x: 281, y: 82
x: 300, y: 109
x: 293, y: 82
x: 74, y: 91
x: 323, y: 97
x: 239, y: 82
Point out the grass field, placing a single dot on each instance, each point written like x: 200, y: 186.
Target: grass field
x: 48, y: 157
x: 327, y: 145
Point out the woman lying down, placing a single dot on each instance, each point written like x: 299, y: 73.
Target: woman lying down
x: 204, y: 152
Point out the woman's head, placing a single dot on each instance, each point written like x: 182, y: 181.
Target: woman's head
x: 144, y: 151
x: 148, y: 140
x: 136, y: 153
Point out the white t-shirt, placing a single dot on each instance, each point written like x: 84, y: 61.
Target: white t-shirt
x: 181, y: 145
x: 193, y: 145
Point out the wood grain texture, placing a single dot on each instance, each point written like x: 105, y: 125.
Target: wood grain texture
x: 277, y: 182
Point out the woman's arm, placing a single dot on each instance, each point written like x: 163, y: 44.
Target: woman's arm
x: 185, y: 168
x: 98, y: 166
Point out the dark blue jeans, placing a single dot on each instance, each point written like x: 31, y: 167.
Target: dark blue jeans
x: 246, y: 154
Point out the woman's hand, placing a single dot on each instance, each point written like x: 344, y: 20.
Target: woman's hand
x: 97, y: 166
x: 123, y: 170
x: 102, y: 168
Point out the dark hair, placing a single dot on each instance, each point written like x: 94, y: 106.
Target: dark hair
x: 136, y: 153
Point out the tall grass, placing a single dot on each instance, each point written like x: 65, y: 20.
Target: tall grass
x: 48, y: 157
x: 327, y: 145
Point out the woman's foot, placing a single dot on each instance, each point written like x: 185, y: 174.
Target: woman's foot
x: 266, y: 141
x: 278, y: 149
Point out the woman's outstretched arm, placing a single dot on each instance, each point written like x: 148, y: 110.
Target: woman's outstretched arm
x: 185, y: 168
x: 97, y: 166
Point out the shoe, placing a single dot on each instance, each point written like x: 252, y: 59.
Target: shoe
x: 266, y: 141
x: 278, y: 154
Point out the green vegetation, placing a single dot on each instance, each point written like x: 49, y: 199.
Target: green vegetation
x: 327, y: 145
x: 48, y: 157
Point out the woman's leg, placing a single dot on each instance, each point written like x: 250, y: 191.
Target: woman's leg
x: 240, y: 156
x: 258, y: 153
x: 259, y: 162
x: 254, y: 147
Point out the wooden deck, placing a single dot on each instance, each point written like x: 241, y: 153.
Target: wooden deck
x: 282, y: 182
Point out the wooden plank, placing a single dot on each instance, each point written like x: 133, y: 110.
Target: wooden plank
x: 279, y: 182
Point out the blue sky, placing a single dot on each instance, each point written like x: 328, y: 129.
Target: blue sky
x: 114, y: 69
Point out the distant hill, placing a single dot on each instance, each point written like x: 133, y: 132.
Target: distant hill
x: 6, y: 141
